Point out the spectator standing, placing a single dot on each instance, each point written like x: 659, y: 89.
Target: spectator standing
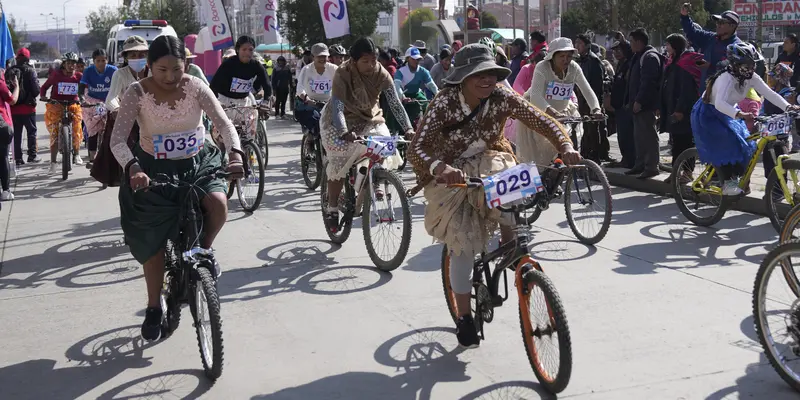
x: 713, y: 45
x: 790, y: 56
x: 519, y: 53
x: 594, y: 143
x: 615, y: 104
x: 281, y: 82
x: 23, y: 112
x: 643, y: 100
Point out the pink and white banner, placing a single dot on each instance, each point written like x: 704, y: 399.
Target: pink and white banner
x: 218, y: 26
x: 269, y: 9
x: 334, y: 18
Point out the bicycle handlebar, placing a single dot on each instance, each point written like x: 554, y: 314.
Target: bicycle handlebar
x: 582, y: 118
x: 165, y: 180
x: 766, y: 118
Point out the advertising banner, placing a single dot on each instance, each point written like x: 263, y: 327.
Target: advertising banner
x: 773, y: 12
x: 218, y: 26
x: 334, y: 18
x: 269, y: 11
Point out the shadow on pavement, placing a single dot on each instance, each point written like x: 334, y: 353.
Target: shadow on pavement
x: 510, y: 390
x: 429, y: 259
x: 178, y: 384
x: 27, y: 190
x: 759, y: 381
x: 423, y: 357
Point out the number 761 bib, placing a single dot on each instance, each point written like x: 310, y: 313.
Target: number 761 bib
x: 178, y: 144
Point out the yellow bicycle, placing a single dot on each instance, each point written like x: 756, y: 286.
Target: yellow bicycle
x: 698, y: 190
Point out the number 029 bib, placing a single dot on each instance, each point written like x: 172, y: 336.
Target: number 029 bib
x: 242, y: 85
x: 178, y: 144
x: 67, y: 88
x: 558, y: 91
x: 521, y: 180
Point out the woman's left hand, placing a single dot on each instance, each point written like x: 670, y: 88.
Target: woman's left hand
x: 793, y: 107
x: 235, y: 166
x: 569, y: 155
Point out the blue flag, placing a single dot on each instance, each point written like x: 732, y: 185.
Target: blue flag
x: 6, y: 49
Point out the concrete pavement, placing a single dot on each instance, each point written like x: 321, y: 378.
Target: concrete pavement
x: 660, y: 309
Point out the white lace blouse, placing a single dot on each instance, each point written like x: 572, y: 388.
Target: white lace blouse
x: 543, y: 75
x: 161, y: 118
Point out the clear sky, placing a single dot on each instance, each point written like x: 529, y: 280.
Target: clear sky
x: 28, y: 12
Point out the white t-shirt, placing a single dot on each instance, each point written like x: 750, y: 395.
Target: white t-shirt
x: 316, y: 86
x: 726, y: 93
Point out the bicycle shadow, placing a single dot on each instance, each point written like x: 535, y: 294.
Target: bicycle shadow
x: 177, y: 384
x: 429, y: 259
x: 54, y: 189
x: 510, y: 390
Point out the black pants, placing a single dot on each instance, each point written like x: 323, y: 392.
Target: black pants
x: 646, y: 142
x: 6, y: 134
x: 680, y: 143
x: 280, y: 101
x: 29, y: 123
x: 91, y: 142
x: 780, y: 147
x: 627, y: 144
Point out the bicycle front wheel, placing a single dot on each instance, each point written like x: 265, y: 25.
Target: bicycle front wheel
x: 697, y: 189
x: 776, y: 311
x: 589, y: 216
x: 775, y: 199
x: 386, y: 221
x: 251, y: 187
x: 261, y: 138
x: 65, y: 137
x: 208, y: 323
x: 311, y: 161
x: 545, y: 332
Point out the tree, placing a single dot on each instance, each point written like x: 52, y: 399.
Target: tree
x: 99, y: 23
x: 43, y: 50
x: 17, y: 35
x: 181, y: 14
x: 488, y: 20
x: 417, y: 31
x: 306, y: 26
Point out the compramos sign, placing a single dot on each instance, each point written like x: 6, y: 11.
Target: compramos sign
x: 774, y: 12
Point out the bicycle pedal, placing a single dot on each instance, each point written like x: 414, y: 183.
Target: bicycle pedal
x: 497, y: 300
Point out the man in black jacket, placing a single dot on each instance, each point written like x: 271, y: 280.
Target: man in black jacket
x: 616, y: 104
x: 643, y: 100
x: 790, y: 56
x: 23, y: 113
x: 594, y: 143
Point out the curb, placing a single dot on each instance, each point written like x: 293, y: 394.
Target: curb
x: 753, y: 203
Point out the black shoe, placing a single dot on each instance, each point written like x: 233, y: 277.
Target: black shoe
x: 467, y: 333
x: 332, y: 221
x: 647, y: 174
x: 151, y: 327
x: 20, y: 162
x: 634, y: 171
x: 34, y: 159
x: 615, y: 164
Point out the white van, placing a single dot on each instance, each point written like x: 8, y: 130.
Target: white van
x: 148, y: 29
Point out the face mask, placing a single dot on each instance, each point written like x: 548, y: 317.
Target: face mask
x: 137, y: 64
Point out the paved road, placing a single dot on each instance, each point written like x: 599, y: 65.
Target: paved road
x: 659, y: 310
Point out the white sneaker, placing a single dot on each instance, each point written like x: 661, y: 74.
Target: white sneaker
x: 731, y: 188
x: 12, y: 172
x: 77, y: 160
x: 6, y: 196
x: 53, y: 168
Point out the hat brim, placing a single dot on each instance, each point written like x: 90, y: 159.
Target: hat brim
x: 458, y: 76
x: 417, y: 57
x: 138, y: 47
x: 324, y: 53
x: 552, y: 53
x: 191, y: 56
x: 717, y: 17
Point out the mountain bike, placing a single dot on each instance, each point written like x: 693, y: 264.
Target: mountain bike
x: 189, y: 273
x: 586, y: 183
x: 696, y: 184
x: 372, y: 188
x: 261, y: 131
x: 65, y: 135
x: 250, y: 188
x: 312, y: 154
x: 402, y: 146
x: 534, y: 288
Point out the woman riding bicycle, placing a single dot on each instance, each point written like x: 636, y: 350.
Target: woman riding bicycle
x: 314, y: 88
x: 96, y: 80
x: 720, y: 131
x: 168, y: 107
x: 461, y: 135
x: 354, y: 111
x: 554, y: 80
x: 65, y: 88
x: 410, y: 81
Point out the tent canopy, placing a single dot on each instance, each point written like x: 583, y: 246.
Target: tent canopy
x: 506, y: 34
x: 274, y: 48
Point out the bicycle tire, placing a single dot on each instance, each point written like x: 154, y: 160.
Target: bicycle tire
x: 309, y: 142
x: 382, y: 175
x: 791, y: 223
x: 263, y: 142
x: 206, y: 283
x: 601, y: 176
x: 678, y: 188
x: 530, y: 219
x: 557, y: 316
x: 66, y: 145
x: 248, y: 146
x: 762, y: 279
x: 172, y: 308
x: 772, y: 185
x: 346, y: 220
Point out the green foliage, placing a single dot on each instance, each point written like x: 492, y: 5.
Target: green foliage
x: 43, y: 50
x: 17, y: 35
x: 306, y: 26
x: 417, y: 31
x: 488, y: 20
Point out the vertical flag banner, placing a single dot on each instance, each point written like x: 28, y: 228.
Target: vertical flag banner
x: 6, y: 49
x: 218, y: 26
x: 334, y: 18
x: 269, y: 9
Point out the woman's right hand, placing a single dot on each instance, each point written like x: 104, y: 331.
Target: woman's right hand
x: 746, y: 116
x: 449, y: 175
x: 138, y: 179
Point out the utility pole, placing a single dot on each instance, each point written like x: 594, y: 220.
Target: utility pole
x: 466, y: 29
x: 527, y: 21
x: 514, y: 16
x: 760, y: 21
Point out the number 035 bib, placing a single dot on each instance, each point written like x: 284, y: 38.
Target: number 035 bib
x: 178, y: 144
x: 558, y: 91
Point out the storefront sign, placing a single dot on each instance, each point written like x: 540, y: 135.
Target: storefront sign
x: 774, y: 12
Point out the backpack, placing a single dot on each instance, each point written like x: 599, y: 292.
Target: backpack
x: 21, y: 72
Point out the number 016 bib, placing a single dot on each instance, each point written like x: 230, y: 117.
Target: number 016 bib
x: 558, y: 91
x: 521, y: 180
x: 178, y: 144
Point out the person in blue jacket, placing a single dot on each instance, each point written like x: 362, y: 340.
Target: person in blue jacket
x: 713, y: 45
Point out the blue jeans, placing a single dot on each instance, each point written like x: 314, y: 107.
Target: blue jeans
x: 308, y: 116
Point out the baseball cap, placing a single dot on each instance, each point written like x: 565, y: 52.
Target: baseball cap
x: 24, y: 53
x: 320, y: 49
x: 413, y: 52
x: 729, y: 15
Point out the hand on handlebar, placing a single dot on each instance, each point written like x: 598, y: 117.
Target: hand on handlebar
x: 569, y: 155
x: 235, y: 166
x: 138, y: 179
x: 450, y: 176
x: 555, y: 114
x: 349, y: 137
x: 748, y: 117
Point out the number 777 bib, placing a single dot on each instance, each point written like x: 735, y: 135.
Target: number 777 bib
x: 521, y: 180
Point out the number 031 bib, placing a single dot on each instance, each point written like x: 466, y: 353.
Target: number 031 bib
x: 558, y: 91
x: 178, y: 144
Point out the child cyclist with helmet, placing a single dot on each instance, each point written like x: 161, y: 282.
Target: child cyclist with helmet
x: 719, y: 127
x: 64, y: 83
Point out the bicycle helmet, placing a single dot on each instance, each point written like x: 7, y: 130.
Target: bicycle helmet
x: 337, y: 50
x: 489, y: 43
x: 70, y: 56
x: 742, y: 53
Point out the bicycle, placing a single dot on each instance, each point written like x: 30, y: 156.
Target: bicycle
x: 253, y: 161
x: 312, y: 154
x: 372, y: 181
x: 575, y: 177
x: 528, y: 275
x: 261, y: 130
x: 65, y: 135
x: 707, y: 188
x: 403, y: 146
x: 189, y: 274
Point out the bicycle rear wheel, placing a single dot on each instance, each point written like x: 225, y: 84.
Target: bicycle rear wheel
x: 449, y: 296
x: 383, y: 215
x: 311, y: 161
x: 65, y: 145
x: 689, y: 176
x: 593, y: 192
x: 208, y: 322
x: 774, y: 198
x: 347, y: 201
x: 251, y: 187
x: 545, y: 332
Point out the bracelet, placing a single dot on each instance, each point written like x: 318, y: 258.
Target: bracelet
x: 434, y: 165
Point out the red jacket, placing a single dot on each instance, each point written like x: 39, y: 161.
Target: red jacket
x: 61, y: 83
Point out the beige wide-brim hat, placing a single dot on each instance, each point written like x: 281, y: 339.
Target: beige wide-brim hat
x: 134, y: 43
x: 557, y: 45
x: 473, y: 59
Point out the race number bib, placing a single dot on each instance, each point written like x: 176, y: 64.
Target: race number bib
x: 558, y: 91
x: 320, y: 86
x: 242, y: 85
x: 777, y: 126
x: 67, y: 89
x: 178, y: 144
x: 521, y: 180
x: 384, y: 146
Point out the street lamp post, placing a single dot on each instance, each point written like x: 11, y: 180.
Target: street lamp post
x: 64, y: 16
x: 46, y: 28
x: 58, y: 36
